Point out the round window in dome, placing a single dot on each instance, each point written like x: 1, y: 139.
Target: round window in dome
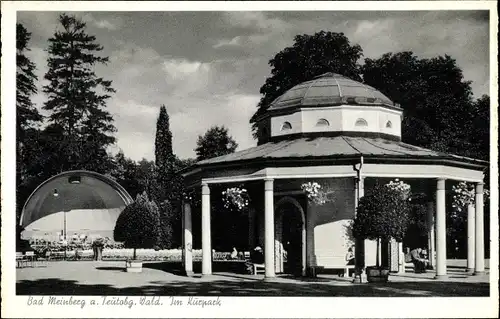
x: 286, y: 126
x: 388, y: 124
x: 322, y: 122
x: 361, y: 122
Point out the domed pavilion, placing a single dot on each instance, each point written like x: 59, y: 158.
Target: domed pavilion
x: 345, y: 135
x: 73, y: 203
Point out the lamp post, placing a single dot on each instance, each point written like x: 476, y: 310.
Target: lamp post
x: 65, y: 240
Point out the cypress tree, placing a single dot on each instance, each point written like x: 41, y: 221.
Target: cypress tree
x: 163, y: 140
x: 166, y: 179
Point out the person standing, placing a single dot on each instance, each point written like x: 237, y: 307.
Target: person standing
x: 350, y: 256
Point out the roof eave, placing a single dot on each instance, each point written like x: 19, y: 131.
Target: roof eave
x: 344, y: 159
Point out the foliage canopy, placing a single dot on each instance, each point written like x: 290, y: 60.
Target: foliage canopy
x: 381, y: 215
x: 215, y: 142
x: 138, y: 226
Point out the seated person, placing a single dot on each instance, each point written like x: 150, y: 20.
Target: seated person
x: 417, y: 260
x: 241, y: 255
x: 256, y: 257
x: 234, y: 253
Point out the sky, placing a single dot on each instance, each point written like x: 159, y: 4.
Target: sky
x: 207, y: 67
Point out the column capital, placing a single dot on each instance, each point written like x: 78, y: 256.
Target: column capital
x: 268, y: 184
x: 440, y: 183
x: 479, y: 187
x: 205, y: 189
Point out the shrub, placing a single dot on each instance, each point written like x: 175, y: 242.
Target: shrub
x: 138, y: 226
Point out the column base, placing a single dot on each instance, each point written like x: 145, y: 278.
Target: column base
x: 439, y: 277
x: 360, y: 279
x: 479, y: 272
x: 188, y: 273
x: 205, y: 276
x: 270, y: 279
x: 469, y: 270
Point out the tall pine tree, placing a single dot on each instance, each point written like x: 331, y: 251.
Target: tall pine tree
x: 28, y: 117
x: 77, y: 97
x: 27, y: 114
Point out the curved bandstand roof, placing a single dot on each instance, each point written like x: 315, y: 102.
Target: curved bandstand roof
x: 85, y: 191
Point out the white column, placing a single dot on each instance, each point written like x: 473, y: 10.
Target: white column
x: 479, y: 269
x: 187, y: 239
x: 359, y: 190
x: 206, y: 246
x: 471, y: 227
x: 269, y: 227
x: 401, y: 259
x: 304, y: 249
x: 441, y: 229
x: 431, y: 234
x: 310, y: 221
x: 359, y: 244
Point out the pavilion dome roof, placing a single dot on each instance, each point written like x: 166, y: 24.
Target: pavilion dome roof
x: 330, y: 89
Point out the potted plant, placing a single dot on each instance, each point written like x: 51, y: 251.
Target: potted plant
x: 381, y: 215
x: 138, y: 226
x: 316, y: 193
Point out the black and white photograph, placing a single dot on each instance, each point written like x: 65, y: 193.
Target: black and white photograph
x: 169, y: 158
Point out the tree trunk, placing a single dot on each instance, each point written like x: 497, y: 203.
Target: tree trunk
x: 135, y: 255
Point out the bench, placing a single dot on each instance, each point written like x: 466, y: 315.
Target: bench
x: 20, y: 260
x: 346, y: 270
x: 317, y: 269
x: 258, y: 267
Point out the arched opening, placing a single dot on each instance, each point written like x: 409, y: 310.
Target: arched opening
x: 286, y: 126
x: 290, y: 237
x: 322, y: 122
x: 388, y: 124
